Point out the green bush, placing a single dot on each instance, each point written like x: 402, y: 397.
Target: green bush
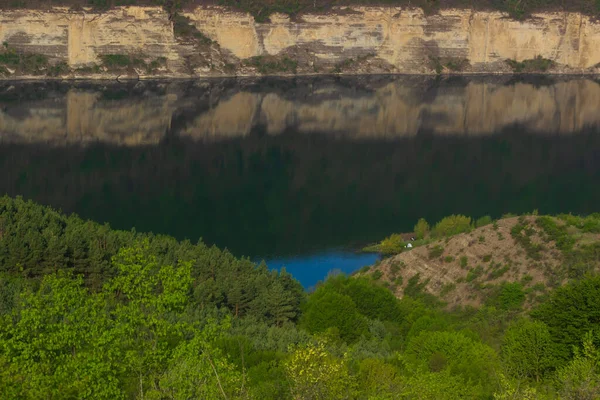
x: 328, y: 309
x: 376, y: 275
x: 558, y: 233
x: 474, y: 273
x: 571, y: 312
x: 421, y: 229
x: 435, y: 252
x: 452, y: 225
x: 532, y: 250
x: 507, y: 296
x: 537, y: 64
x: 483, y: 221
x: 498, y: 272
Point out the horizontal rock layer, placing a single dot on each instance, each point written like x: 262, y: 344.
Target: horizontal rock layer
x: 344, y: 40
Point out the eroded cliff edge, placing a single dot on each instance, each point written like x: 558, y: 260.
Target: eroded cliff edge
x: 215, y: 41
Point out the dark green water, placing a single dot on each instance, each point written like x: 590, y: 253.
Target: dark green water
x: 296, y: 170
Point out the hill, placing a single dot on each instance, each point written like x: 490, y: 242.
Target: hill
x: 505, y: 263
x: 87, y: 312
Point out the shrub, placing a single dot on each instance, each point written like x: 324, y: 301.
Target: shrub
x: 532, y: 250
x: 421, y: 229
x: 271, y: 64
x: 474, y: 273
x: 526, y: 279
x: 327, y: 309
x: 464, y: 262
x: 435, y: 252
x: 448, y: 259
x: 483, y: 221
x: 558, y: 233
x: 376, y: 275
x: 447, y: 288
x: 452, y: 225
x: 499, y: 272
x: 537, y: 64
x: 573, y: 306
x: 508, y: 296
x: 526, y: 349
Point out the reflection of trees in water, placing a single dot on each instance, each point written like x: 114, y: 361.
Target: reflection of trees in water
x: 296, y: 193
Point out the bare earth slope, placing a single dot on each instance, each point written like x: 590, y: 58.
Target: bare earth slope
x: 468, y: 268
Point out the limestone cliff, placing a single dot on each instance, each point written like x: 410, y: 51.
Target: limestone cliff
x: 344, y: 40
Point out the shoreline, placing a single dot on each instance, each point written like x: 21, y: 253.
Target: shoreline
x: 169, y: 78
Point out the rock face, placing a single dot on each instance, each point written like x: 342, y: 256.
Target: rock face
x: 344, y: 40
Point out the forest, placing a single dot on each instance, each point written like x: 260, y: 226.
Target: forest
x: 89, y: 312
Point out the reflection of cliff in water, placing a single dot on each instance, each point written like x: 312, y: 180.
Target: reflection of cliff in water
x: 288, y: 194
x: 140, y: 113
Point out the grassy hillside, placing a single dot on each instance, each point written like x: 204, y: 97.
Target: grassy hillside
x: 506, y: 263
x: 87, y: 312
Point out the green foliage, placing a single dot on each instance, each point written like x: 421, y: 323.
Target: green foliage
x: 171, y: 320
x: 514, y: 389
x: 37, y: 240
x: 421, y: 229
x: 522, y: 233
x: 395, y: 267
x: 452, y: 225
x: 184, y: 28
x: 571, y: 312
x: 270, y: 65
x: 580, y: 378
x: 483, y: 221
x: 464, y: 261
x: 59, y: 344
x: 378, y: 379
x: 558, y: 233
x: 497, y: 273
x: 391, y: 245
x: 376, y: 275
x: 507, y: 296
x: 373, y: 301
x: 474, y: 273
x: 452, y: 351
x: 435, y: 252
x: 438, y: 64
x: 198, y: 370
x: 438, y: 386
x: 526, y: 349
x: 537, y: 64
x: 25, y: 63
x: 316, y: 374
x: 447, y: 288
x: 328, y: 309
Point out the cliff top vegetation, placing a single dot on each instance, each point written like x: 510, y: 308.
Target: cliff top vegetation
x: 261, y: 9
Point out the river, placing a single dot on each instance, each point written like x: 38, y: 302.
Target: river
x: 301, y: 172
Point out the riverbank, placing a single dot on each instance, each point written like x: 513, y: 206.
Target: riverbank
x: 134, y: 42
